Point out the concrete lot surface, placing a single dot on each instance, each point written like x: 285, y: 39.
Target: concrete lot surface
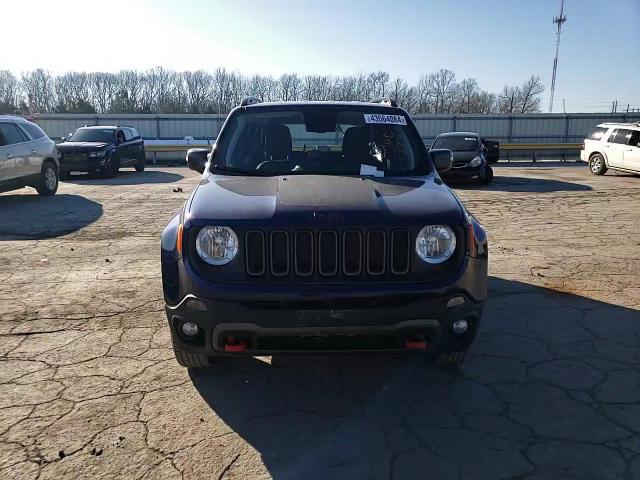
x: 89, y: 387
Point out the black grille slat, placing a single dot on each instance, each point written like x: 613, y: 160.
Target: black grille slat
x: 400, y: 252
x: 376, y: 252
x: 279, y: 253
x: 303, y: 253
x: 352, y: 253
x: 255, y: 253
x: 328, y: 253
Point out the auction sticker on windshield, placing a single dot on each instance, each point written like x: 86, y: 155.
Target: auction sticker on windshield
x: 384, y: 118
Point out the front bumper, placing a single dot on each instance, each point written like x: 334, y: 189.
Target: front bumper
x: 333, y: 318
x: 464, y: 173
x: 80, y: 163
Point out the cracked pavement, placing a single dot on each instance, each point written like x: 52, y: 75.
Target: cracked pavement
x: 550, y: 389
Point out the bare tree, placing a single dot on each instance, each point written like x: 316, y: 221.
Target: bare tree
x: 103, y: 88
x: 73, y: 93
x: 198, y: 86
x: 444, y: 90
x: 38, y: 88
x: 508, y: 100
x: 485, y: 103
x: 164, y: 90
x: 290, y: 87
x: 9, y: 92
x: 126, y: 98
x: 530, y: 92
x: 424, y: 94
x: 468, y: 94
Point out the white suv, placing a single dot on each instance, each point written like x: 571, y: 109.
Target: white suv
x: 613, y: 145
x: 28, y: 158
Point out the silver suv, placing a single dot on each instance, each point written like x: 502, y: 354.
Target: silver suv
x: 28, y: 157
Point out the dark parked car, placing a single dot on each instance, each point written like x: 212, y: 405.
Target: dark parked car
x: 470, y: 157
x: 102, y: 150
x: 322, y: 227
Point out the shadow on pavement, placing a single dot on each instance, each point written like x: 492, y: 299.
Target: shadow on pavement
x: 549, y: 388
x: 522, y: 184
x: 127, y: 177
x: 31, y: 217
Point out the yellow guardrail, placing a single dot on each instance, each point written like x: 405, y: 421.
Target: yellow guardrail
x: 503, y: 146
x: 173, y: 148
x: 540, y: 146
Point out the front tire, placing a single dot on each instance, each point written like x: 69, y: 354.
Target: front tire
x: 451, y: 359
x: 142, y: 158
x: 488, y: 176
x: 597, y: 165
x: 48, y: 180
x: 188, y: 359
x: 111, y: 168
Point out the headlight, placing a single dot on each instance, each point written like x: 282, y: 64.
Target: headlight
x: 475, y: 162
x: 97, y: 154
x: 435, y: 243
x: 217, y: 245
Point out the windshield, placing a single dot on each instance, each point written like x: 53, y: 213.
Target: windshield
x: 325, y: 141
x: 457, y: 143
x: 92, y: 135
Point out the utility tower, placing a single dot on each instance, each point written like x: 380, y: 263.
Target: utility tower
x: 558, y: 21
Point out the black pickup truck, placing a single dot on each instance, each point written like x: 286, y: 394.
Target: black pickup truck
x: 101, y: 150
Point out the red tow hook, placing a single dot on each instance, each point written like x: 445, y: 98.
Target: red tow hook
x: 418, y: 343
x: 233, y: 345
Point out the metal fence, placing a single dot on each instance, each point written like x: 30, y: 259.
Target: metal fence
x: 529, y: 128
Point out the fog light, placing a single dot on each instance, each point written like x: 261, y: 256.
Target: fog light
x: 455, y: 301
x: 189, y: 329
x: 460, y: 326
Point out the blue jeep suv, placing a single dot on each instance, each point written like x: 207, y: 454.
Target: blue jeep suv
x: 322, y: 227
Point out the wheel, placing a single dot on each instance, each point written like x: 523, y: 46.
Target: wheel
x: 451, y: 359
x: 597, y: 164
x: 488, y: 176
x: 141, y: 161
x: 48, y: 180
x: 111, y: 168
x: 188, y: 359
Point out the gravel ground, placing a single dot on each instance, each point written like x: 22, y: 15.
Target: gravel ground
x: 551, y: 389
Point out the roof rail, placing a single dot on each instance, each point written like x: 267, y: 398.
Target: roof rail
x: 250, y: 101
x: 621, y: 123
x: 389, y: 102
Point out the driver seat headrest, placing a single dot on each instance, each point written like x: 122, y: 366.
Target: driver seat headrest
x: 278, y: 142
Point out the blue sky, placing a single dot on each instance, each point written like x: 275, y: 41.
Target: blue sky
x: 497, y: 42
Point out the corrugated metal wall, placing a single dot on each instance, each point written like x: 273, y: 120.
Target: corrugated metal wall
x: 149, y: 126
x: 536, y: 128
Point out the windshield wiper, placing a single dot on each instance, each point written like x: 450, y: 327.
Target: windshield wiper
x: 224, y: 169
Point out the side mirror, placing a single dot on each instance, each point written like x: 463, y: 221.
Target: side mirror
x: 485, y: 151
x: 442, y: 158
x: 197, y: 159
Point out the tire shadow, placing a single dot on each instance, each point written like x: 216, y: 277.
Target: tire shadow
x: 126, y: 177
x: 31, y: 217
x: 503, y: 183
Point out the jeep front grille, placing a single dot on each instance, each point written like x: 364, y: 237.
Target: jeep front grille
x: 327, y: 253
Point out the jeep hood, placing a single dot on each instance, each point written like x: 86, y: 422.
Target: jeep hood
x: 327, y: 200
